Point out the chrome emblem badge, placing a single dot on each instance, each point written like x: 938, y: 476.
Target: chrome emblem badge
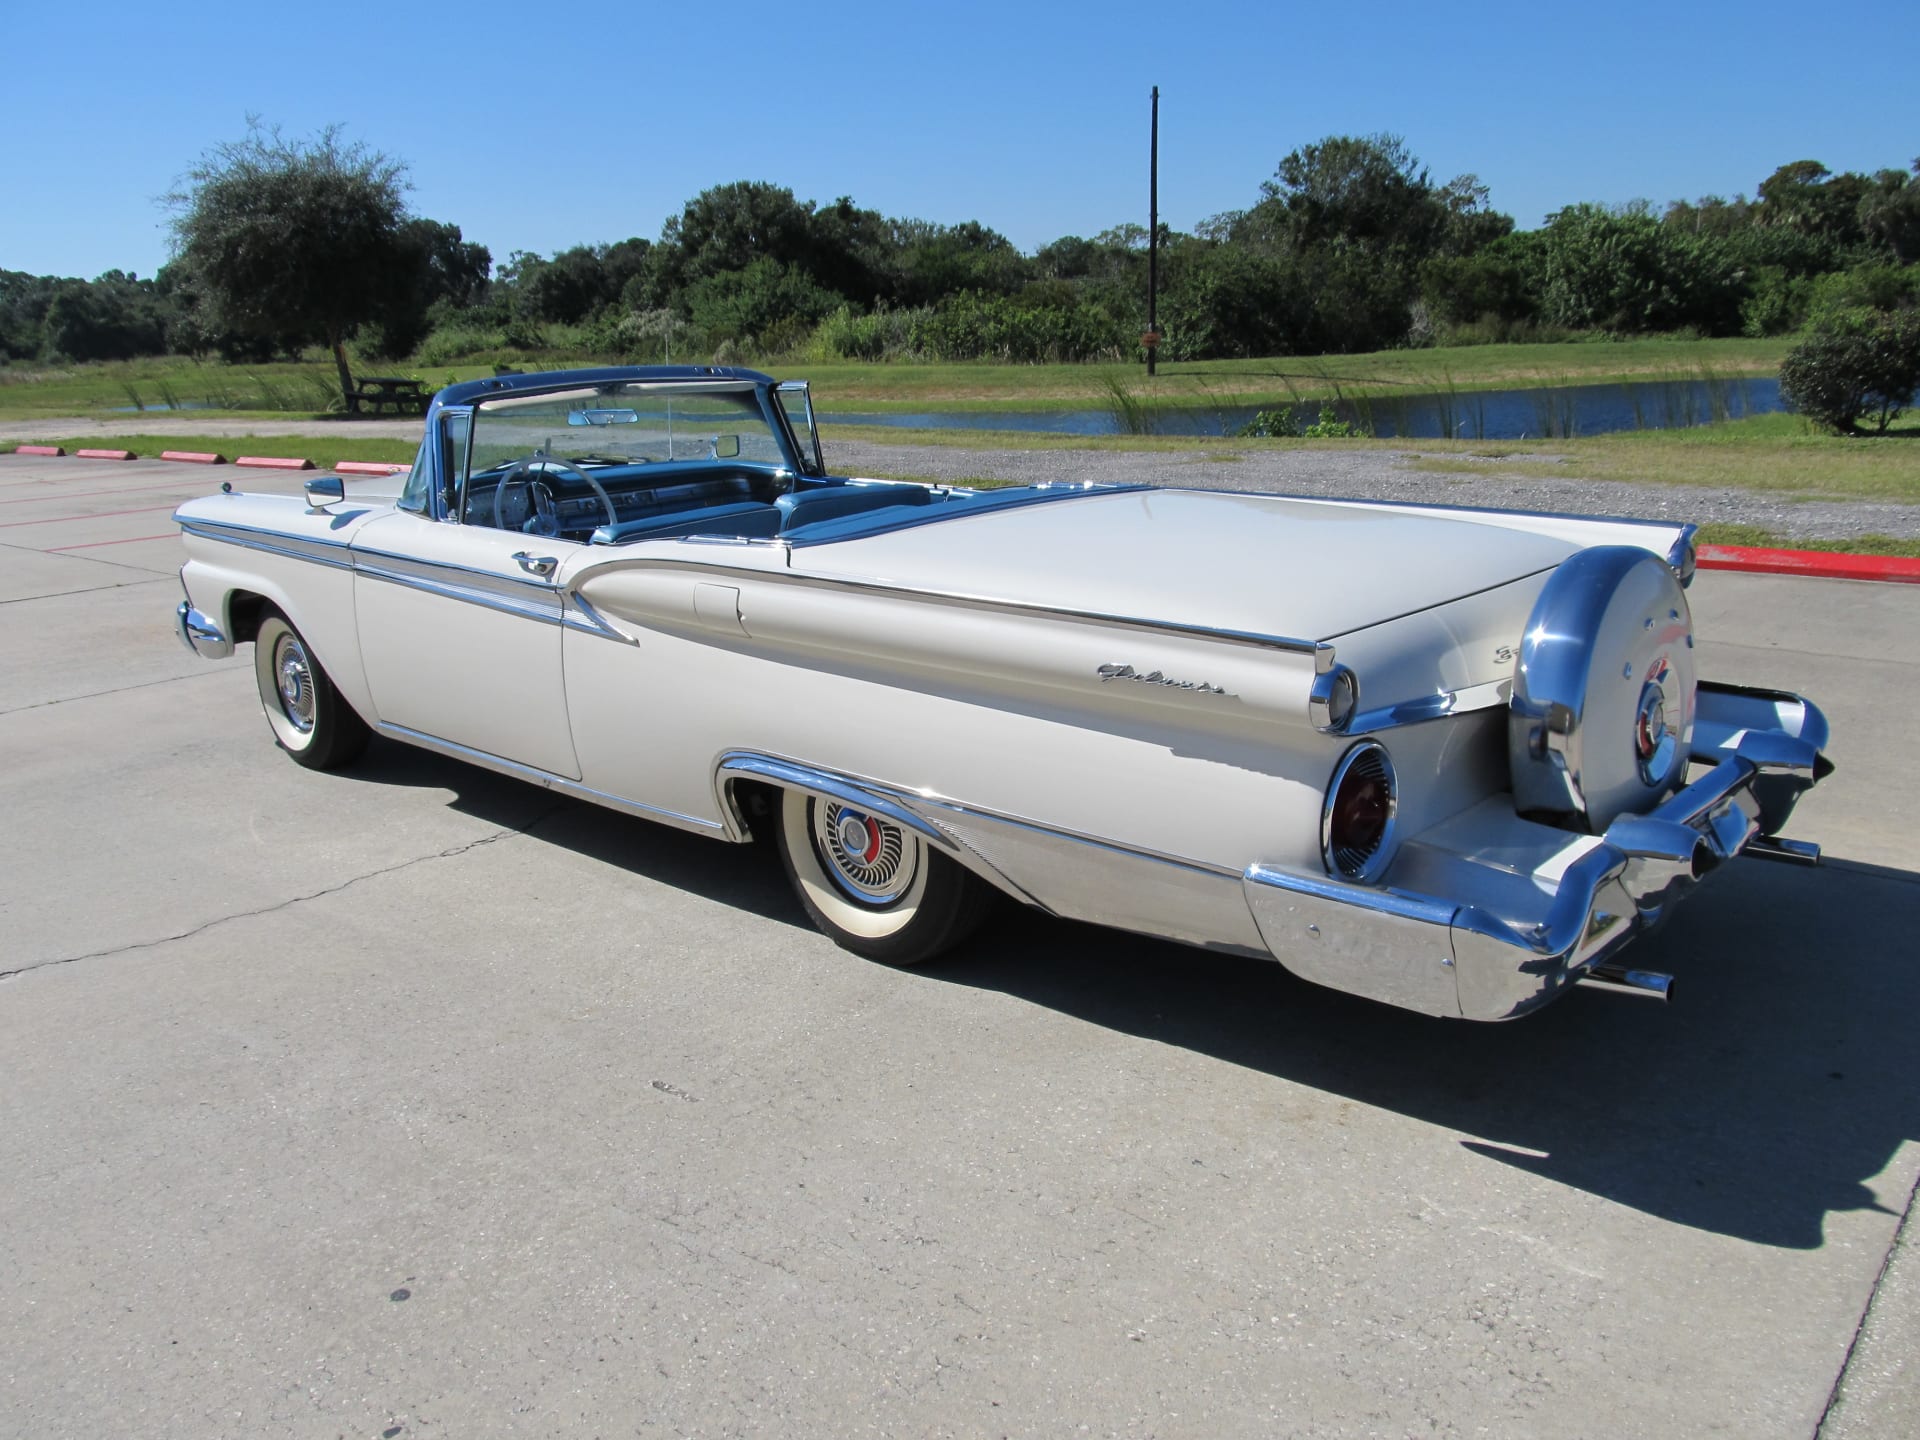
x: 1127, y: 672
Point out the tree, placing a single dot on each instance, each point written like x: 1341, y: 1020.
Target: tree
x: 1620, y: 269
x: 294, y: 238
x: 114, y: 318
x: 1859, y: 362
x: 1804, y: 195
x: 1890, y: 213
x: 1356, y: 218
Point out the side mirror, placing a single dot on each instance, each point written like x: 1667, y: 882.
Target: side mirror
x: 726, y: 447
x: 324, y: 490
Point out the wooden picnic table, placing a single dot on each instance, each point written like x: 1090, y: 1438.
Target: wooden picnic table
x: 406, y: 396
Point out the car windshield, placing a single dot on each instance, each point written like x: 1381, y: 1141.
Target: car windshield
x: 626, y: 425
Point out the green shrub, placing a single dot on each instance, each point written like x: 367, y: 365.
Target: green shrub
x: 1855, y: 363
x: 1330, y: 427
x: 1279, y: 424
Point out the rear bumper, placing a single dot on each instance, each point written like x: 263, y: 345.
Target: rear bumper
x: 1489, y: 916
x: 201, y: 635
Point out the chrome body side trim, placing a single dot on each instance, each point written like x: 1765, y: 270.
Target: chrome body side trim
x: 548, y: 779
x: 582, y: 616
x: 201, y: 635
x: 1441, y: 703
x: 1319, y: 649
x: 1460, y: 928
x: 531, y: 598
x: 272, y: 542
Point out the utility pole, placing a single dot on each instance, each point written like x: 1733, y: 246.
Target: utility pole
x: 1151, y: 340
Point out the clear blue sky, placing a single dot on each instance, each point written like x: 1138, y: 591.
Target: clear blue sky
x: 535, y: 126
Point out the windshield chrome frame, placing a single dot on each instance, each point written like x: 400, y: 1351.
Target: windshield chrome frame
x: 803, y: 388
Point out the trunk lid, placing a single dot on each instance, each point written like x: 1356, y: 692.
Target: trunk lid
x: 1254, y: 564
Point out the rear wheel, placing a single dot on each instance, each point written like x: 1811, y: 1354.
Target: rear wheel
x: 874, y: 887
x: 310, y: 720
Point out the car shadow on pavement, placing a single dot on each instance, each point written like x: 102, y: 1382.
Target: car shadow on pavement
x: 1779, y: 1080
x: 746, y: 877
x: 1775, y: 1085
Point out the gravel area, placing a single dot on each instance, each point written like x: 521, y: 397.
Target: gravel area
x: 1373, y: 474
x: 1360, y: 473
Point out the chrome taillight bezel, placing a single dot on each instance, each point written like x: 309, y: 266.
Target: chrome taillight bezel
x: 1366, y: 862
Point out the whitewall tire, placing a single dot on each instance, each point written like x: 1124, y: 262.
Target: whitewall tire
x: 310, y: 720
x: 874, y: 887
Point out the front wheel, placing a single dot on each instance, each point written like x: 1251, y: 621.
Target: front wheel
x: 310, y: 720
x: 873, y: 887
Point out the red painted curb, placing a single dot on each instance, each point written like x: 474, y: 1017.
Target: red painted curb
x: 193, y: 457
x: 274, y: 462
x: 1815, y: 564
x: 39, y: 450
x: 367, y: 467
x: 105, y: 455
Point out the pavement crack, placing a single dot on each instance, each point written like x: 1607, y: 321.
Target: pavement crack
x: 86, y: 590
x: 118, y: 690
x: 1866, y: 1311
x: 450, y: 853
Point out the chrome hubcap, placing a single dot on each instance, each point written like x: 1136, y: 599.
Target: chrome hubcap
x: 867, y: 857
x: 295, y: 678
x: 1654, y: 742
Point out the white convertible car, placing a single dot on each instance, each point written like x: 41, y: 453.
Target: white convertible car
x: 1449, y: 759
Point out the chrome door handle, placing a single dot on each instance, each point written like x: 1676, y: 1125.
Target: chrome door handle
x: 536, y: 564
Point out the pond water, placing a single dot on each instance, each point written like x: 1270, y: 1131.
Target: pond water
x: 1556, y: 412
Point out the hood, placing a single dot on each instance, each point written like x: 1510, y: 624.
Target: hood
x: 1256, y: 564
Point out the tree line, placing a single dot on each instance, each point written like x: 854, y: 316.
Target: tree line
x: 1352, y: 245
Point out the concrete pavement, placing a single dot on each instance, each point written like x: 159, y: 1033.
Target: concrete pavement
x: 412, y: 1100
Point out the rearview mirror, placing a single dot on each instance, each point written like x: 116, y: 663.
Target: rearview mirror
x: 603, y: 417
x: 324, y: 490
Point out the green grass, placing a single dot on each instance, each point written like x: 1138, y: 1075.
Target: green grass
x: 1777, y: 454
x: 46, y: 392
x: 319, y: 449
x: 1721, y: 533
x: 168, y: 386
x: 1223, y: 383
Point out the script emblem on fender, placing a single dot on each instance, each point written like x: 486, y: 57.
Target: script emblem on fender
x: 1154, y: 677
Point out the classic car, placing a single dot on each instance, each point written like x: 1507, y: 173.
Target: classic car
x: 1449, y: 759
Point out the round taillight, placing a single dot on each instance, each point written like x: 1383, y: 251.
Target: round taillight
x: 1358, y: 817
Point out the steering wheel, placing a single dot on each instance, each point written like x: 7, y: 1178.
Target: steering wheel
x: 546, y: 516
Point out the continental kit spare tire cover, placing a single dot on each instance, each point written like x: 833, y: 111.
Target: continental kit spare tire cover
x: 1601, y: 717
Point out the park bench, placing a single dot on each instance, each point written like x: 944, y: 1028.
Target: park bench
x: 407, y: 397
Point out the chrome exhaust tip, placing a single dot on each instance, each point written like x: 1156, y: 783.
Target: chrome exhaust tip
x: 1648, y: 984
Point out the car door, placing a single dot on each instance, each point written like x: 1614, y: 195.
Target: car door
x: 460, y: 630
